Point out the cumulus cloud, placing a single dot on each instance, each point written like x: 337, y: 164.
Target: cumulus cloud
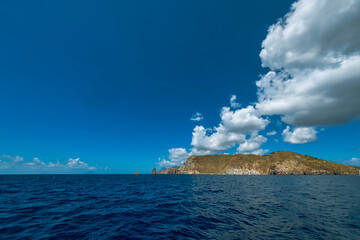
x: 233, y: 102
x: 231, y: 131
x: 252, y: 145
x: 10, y: 164
x: 77, y: 164
x: 299, y: 135
x: 197, y: 117
x: 314, y: 57
x: 207, y: 141
x: 177, y: 156
x: 163, y: 162
x: 245, y: 120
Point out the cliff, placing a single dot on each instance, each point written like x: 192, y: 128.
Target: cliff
x: 276, y: 163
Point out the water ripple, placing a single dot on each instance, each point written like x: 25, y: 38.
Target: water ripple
x: 179, y: 207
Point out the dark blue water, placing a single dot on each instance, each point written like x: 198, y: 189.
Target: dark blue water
x: 179, y: 207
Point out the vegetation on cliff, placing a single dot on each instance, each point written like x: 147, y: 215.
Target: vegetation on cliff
x: 276, y: 163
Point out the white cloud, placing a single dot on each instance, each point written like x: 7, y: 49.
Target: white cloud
x: 17, y: 159
x: 355, y: 161
x: 163, y: 162
x: 233, y: 102
x: 252, y: 145
x: 177, y: 156
x: 231, y: 131
x: 300, y: 135
x: 272, y: 133
x: 218, y: 140
x: 77, y: 164
x: 245, y: 120
x: 37, y: 161
x: 314, y: 54
x: 20, y: 165
x: 315, y: 34
x: 55, y: 165
x: 197, y: 117
x: 258, y: 152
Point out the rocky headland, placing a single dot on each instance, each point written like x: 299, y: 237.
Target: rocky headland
x: 276, y: 163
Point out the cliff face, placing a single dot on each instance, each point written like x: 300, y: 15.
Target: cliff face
x: 276, y: 163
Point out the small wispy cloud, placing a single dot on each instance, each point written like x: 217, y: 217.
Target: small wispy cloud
x: 272, y: 133
x: 17, y: 164
x: 233, y: 102
x: 197, y: 117
x: 15, y: 159
x: 355, y: 161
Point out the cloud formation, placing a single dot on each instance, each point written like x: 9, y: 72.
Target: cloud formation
x: 300, y: 135
x: 233, y: 102
x: 10, y: 164
x: 77, y: 164
x: 197, y: 117
x: 272, y: 133
x: 355, y: 161
x: 314, y: 57
x: 208, y: 141
x: 15, y: 159
x: 177, y: 156
x: 231, y: 131
x: 252, y: 145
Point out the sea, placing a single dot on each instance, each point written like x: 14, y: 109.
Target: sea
x: 179, y: 207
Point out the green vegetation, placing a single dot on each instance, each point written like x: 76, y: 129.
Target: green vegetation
x: 276, y: 163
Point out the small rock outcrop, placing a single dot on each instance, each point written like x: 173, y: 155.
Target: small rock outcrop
x: 136, y: 173
x: 276, y: 163
x: 153, y: 171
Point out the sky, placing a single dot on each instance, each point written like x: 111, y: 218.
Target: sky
x: 125, y: 86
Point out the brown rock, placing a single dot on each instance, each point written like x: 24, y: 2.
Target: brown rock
x: 276, y: 163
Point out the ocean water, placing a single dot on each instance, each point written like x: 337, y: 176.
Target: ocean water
x: 179, y: 207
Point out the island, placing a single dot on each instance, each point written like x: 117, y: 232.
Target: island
x: 275, y: 163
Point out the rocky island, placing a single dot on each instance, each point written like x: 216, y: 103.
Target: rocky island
x: 275, y: 163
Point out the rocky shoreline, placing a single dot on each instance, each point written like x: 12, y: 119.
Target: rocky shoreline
x: 276, y: 163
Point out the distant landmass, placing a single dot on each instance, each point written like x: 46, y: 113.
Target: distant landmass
x: 275, y: 163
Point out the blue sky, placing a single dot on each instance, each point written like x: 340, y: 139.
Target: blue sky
x: 110, y: 86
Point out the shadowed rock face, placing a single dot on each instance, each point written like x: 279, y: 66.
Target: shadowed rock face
x: 276, y: 163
